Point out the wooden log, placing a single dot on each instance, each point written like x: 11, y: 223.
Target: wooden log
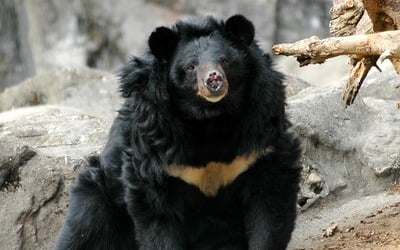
x: 365, y: 30
x: 313, y: 50
x: 357, y: 76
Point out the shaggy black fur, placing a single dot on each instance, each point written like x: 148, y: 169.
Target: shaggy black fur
x: 126, y: 200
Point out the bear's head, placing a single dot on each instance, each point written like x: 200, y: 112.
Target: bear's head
x: 210, y: 64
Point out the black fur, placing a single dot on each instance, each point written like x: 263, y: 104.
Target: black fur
x: 240, y: 28
x: 163, y: 50
x: 126, y: 200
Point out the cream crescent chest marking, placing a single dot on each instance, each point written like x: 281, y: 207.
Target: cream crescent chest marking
x: 210, y: 178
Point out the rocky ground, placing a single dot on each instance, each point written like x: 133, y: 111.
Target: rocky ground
x: 379, y: 230
x: 354, y: 215
x: 348, y: 199
x: 371, y: 222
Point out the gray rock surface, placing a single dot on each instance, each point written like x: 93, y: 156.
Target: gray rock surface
x: 42, y: 150
x: 354, y: 151
x: 293, y: 85
x: 15, y: 63
x: 382, y: 85
x: 311, y: 17
x: 349, y: 154
x: 93, y: 91
x: 262, y: 13
x: 45, y: 35
x: 311, y: 225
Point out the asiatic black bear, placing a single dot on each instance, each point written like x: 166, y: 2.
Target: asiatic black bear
x: 199, y: 156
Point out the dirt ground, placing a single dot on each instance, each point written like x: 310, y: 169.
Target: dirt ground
x: 379, y: 230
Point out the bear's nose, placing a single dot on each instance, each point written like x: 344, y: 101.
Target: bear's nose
x: 214, y: 81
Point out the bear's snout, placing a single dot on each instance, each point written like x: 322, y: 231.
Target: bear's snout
x: 214, y: 81
x: 211, y: 82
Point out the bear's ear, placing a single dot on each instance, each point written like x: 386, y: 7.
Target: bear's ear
x: 162, y: 42
x: 240, y: 28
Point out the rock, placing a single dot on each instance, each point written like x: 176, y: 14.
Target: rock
x: 355, y: 150
x: 44, y: 148
x: 74, y: 34
x: 332, y: 230
x: 348, y: 153
x: 311, y: 17
x: 383, y: 85
x: 264, y: 22
x: 103, y: 34
x: 68, y: 34
x: 93, y: 91
x: 280, y: 21
x: 314, y: 179
x: 293, y: 85
x: 10, y: 166
x: 313, y: 223
x: 15, y: 63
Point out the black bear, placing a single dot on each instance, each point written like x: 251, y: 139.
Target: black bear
x: 199, y: 156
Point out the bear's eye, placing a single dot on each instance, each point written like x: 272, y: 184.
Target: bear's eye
x: 190, y: 67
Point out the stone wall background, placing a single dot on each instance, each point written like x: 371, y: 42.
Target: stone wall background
x: 42, y: 35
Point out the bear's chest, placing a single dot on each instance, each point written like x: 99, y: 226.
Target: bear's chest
x: 214, y: 175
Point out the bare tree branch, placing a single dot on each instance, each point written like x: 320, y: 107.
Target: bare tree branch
x: 313, y: 50
x: 365, y: 30
x: 357, y: 76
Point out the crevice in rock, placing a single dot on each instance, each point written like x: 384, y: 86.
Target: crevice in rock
x: 28, y: 220
x: 10, y: 169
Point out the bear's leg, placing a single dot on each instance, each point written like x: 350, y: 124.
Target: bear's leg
x: 93, y: 222
x: 158, y: 223
x: 269, y: 224
x: 270, y: 198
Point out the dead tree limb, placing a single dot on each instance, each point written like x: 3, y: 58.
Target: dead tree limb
x: 313, y: 50
x: 357, y: 76
x: 365, y: 30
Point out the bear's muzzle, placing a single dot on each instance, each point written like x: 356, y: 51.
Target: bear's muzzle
x: 212, y: 82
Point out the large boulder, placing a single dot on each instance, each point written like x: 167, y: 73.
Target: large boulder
x: 42, y: 149
x: 348, y: 152
x: 93, y: 91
